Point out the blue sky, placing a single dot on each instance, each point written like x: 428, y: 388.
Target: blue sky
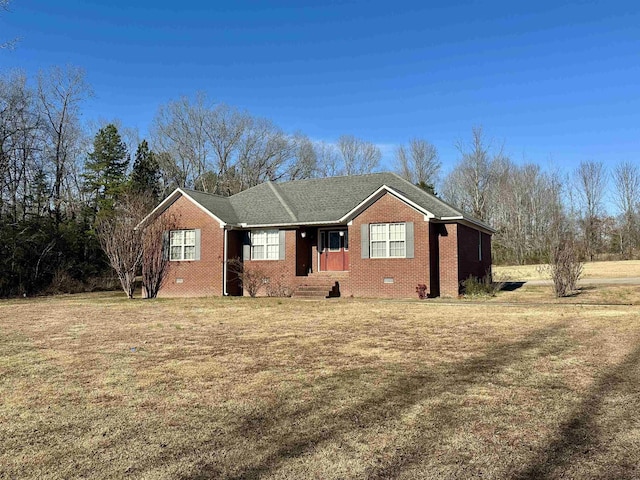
x: 557, y: 82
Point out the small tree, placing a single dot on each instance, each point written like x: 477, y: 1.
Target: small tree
x: 105, y: 170
x: 565, y: 267
x: 155, y: 260
x: 121, y: 241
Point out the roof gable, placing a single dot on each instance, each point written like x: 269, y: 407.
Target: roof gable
x: 214, y: 207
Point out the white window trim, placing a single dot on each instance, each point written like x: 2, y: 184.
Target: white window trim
x: 171, y: 245
x: 266, y: 244
x: 387, y: 240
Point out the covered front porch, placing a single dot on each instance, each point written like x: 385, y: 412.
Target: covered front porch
x: 322, y: 262
x: 322, y: 249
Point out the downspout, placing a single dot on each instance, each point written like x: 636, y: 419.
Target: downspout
x: 224, y: 263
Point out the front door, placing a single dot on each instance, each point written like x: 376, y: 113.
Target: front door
x: 334, y: 250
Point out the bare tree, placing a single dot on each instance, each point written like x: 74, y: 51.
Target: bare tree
x: 626, y: 176
x: 305, y: 158
x: 418, y: 163
x: 122, y: 242
x: 526, y: 202
x: 263, y: 154
x: 591, y: 182
x: 328, y: 159
x: 60, y: 92
x: 358, y: 156
x: 226, y: 129
x: 220, y: 149
x: 19, y: 144
x: 180, y: 128
x: 155, y: 260
x: 471, y: 183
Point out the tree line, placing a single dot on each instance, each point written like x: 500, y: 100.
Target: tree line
x: 533, y: 209
x: 62, y: 180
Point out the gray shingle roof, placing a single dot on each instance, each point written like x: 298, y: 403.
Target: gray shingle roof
x: 220, y: 206
x: 317, y: 200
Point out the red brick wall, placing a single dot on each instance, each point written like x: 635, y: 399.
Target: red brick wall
x: 459, y: 248
x: 199, y: 277
x: 448, y: 247
x: 282, y: 271
x: 470, y: 263
x: 367, y: 274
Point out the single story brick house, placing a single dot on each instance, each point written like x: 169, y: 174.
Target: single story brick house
x: 373, y: 235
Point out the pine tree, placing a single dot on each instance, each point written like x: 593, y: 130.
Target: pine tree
x: 427, y: 187
x: 145, y: 176
x: 105, y: 169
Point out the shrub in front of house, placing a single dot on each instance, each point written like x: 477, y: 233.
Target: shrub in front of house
x: 480, y: 287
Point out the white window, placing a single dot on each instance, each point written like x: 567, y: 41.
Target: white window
x: 388, y: 240
x: 265, y: 245
x: 183, y: 245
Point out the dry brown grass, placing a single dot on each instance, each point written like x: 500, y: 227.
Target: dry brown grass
x: 586, y: 295
x: 97, y: 386
x: 618, y: 269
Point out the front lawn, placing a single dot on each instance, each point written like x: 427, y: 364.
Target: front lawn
x: 96, y: 386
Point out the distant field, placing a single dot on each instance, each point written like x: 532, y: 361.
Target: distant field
x: 94, y: 386
x: 628, y: 268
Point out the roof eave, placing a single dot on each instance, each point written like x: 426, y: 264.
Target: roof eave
x: 292, y: 224
x: 472, y: 221
x: 170, y: 200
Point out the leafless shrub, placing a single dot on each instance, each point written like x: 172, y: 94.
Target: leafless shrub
x: 278, y: 288
x: 155, y: 259
x: 62, y: 282
x: 101, y: 284
x: 565, y: 267
x: 252, y: 278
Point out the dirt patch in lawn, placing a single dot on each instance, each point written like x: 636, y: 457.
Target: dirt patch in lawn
x: 97, y: 386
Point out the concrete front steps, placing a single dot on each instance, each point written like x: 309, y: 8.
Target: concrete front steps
x: 321, y: 285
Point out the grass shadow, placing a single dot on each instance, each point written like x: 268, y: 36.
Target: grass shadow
x: 581, y: 434
x: 511, y: 286
x: 284, y: 433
